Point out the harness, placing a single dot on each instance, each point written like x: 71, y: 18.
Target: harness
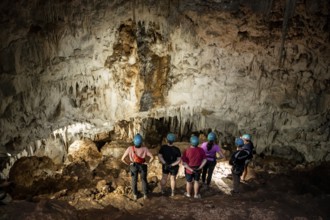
x: 136, y: 158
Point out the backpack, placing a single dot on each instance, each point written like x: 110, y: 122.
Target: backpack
x: 250, y: 147
x: 136, y: 158
x: 239, y: 157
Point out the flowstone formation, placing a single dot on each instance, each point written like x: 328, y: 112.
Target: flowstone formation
x: 105, y: 70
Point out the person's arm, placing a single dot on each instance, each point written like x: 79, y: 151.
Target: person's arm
x: 178, y: 160
x: 161, y: 159
x: 203, y: 161
x: 184, y: 162
x: 219, y: 154
x: 232, y: 158
x: 178, y: 157
x: 150, y: 155
x: 185, y: 165
x: 123, y: 158
x: 202, y: 165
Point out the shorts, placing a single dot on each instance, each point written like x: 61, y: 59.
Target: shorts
x: 193, y: 176
x: 173, y: 170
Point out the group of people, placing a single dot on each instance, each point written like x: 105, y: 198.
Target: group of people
x: 198, y: 161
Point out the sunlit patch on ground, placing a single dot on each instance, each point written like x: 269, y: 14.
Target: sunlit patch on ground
x: 222, y: 171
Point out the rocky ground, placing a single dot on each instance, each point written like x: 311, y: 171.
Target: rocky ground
x: 274, y: 190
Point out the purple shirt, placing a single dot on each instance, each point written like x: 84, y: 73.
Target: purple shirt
x: 211, y: 154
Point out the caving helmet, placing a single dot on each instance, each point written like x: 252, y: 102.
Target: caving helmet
x: 194, y: 140
x: 211, y: 136
x: 137, y: 140
x: 170, y: 137
x: 246, y: 137
x: 239, y: 142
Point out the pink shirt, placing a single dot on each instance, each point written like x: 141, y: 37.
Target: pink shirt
x: 141, y: 152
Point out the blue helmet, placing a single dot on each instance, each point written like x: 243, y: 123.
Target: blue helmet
x: 194, y: 140
x: 246, y: 137
x: 137, y: 140
x: 170, y: 138
x: 211, y: 136
x: 239, y: 142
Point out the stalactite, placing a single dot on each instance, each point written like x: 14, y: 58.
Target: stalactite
x: 269, y: 6
x: 133, y: 10
x: 289, y: 11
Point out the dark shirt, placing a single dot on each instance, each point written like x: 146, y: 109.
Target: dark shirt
x: 170, y: 153
x: 239, y: 157
x: 249, y: 146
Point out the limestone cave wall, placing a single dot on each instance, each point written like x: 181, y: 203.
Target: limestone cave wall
x: 254, y: 66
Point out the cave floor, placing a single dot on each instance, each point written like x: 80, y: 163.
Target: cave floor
x: 300, y: 195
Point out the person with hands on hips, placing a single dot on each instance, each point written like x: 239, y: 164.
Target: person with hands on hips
x: 134, y: 156
x: 193, y: 160
x: 170, y: 157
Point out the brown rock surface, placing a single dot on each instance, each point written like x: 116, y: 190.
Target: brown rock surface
x: 275, y: 189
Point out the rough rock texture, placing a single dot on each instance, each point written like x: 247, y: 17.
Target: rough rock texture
x: 260, y: 67
x: 29, y: 169
x: 85, y: 150
x: 275, y: 189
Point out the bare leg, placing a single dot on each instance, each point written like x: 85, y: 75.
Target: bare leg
x: 173, y: 182
x: 189, y: 188
x: 196, y: 187
x: 163, y: 182
x: 245, y: 172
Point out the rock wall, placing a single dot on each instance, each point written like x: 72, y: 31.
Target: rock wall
x: 253, y: 66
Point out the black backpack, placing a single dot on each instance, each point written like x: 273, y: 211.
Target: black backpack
x: 239, y: 157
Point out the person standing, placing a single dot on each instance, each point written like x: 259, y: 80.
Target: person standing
x: 193, y: 160
x: 211, y: 150
x: 134, y: 156
x: 170, y: 157
x: 237, y: 160
x: 248, y: 145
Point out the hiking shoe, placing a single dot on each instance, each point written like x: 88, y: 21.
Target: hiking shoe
x: 172, y: 194
x: 187, y: 195
x: 198, y: 196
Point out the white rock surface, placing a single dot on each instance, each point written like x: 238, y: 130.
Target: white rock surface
x: 67, y: 64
